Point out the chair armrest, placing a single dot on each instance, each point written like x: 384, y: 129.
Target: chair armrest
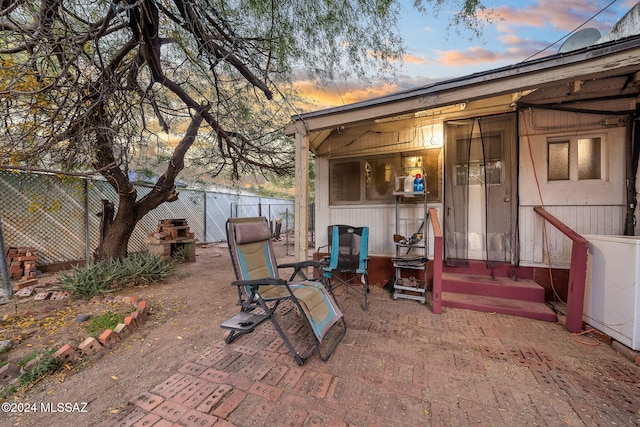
x: 298, y: 269
x: 300, y: 264
x: 260, y: 282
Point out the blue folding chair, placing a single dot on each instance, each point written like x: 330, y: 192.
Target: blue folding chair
x: 348, y: 259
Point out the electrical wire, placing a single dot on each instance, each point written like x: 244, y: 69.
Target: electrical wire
x: 570, y: 33
x: 594, y: 341
x: 546, y: 238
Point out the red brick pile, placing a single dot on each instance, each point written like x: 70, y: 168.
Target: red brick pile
x: 170, y: 236
x: 173, y: 229
x: 22, y: 265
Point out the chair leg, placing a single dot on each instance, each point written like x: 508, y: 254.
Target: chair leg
x: 333, y: 347
x: 232, y: 335
x: 351, y: 283
x: 366, y: 292
x: 298, y: 359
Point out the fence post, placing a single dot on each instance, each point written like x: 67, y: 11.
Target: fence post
x: 286, y: 235
x: 87, y: 236
x: 204, y: 219
x: 4, y: 269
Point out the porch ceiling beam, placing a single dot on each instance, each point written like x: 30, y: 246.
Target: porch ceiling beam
x: 597, y: 63
x: 317, y: 138
x: 567, y: 108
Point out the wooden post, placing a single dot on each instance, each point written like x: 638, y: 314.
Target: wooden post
x: 301, y: 201
x: 577, y: 272
x: 437, y: 261
x: 4, y: 269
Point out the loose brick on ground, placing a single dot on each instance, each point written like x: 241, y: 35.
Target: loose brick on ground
x: 66, y: 353
x: 108, y: 338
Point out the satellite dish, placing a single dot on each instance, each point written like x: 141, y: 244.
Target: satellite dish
x: 582, y: 38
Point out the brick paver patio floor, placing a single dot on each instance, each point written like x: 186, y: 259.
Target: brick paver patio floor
x: 401, y: 365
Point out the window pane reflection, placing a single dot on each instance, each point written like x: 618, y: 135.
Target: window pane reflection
x: 589, y: 158
x: 558, y: 161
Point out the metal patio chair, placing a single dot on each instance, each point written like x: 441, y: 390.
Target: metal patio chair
x: 261, y: 291
x: 347, y: 262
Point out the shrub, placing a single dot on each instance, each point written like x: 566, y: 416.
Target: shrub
x: 111, y: 275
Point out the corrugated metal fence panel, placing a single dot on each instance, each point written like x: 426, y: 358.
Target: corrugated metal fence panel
x: 278, y: 208
x: 218, y: 207
x: 48, y: 213
x: 248, y: 206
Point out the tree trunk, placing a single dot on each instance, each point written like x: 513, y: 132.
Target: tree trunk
x: 116, y: 230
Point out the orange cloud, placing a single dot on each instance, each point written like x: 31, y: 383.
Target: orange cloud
x: 509, y: 39
x: 319, y: 97
x: 414, y: 59
x: 518, y: 50
x: 564, y: 15
x: 473, y: 55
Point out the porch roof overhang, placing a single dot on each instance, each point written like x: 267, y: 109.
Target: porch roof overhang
x: 615, y: 58
x: 611, y: 60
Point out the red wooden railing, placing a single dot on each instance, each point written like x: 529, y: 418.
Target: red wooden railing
x: 437, y: 261
x: 577, y: 272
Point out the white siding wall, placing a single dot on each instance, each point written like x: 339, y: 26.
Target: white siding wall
x: 381, y: 222
x: 588, y: 207
x: 380, y: 218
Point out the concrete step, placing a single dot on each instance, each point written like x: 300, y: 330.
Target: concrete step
x: 513, y: 307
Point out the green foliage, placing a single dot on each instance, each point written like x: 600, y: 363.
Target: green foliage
x: 108, y: 320
x: 113, y: 274
x: 260, y: 46
x: 180, y: 254
x: 215, y: 75
x: 7, y: 391
x: 43, y: 364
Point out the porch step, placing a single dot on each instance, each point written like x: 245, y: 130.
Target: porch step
x: 524, y: 298
x: 502, y: 287
x: 528, y: 309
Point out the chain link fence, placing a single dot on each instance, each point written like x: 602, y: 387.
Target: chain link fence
x: 59, y: 215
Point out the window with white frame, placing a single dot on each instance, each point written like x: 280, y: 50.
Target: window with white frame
x: 372, y: 180
x: 575, y: 159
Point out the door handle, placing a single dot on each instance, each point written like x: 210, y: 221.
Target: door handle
x: 507, y: 199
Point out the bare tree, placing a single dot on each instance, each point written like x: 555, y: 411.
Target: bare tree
x: 88, y: 85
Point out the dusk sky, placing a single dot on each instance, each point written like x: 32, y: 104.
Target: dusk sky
x: 521, y: 28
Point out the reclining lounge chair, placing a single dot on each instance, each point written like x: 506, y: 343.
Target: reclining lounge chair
x: 261, y: 291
